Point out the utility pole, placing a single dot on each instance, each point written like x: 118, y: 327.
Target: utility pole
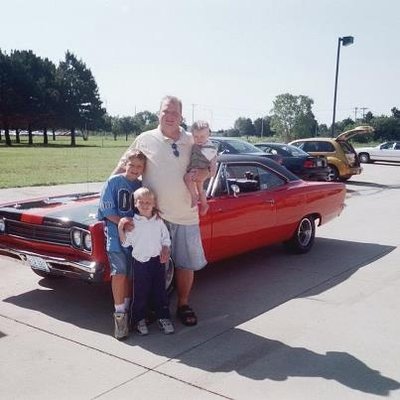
x: 355, y: 113
x: 363, y: 111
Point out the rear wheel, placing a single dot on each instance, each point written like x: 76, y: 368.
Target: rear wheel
x: 303, y: 238
x: 333, y: 174
x: 364, y: 158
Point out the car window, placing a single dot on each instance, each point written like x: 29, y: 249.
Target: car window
x: 347, y: 147
x: 397, y: 146
x: 388, y: 145
x: 243, y: 147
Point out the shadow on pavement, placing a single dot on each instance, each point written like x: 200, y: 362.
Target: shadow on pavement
x: 228, y: 294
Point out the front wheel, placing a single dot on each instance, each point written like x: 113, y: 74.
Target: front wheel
x: 303, y: 238
x: 364, y: 158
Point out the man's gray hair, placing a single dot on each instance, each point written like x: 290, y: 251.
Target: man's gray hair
x: 172, y: 99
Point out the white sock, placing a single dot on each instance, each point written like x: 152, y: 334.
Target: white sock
x: 127, y: 303
x: 119, y: 307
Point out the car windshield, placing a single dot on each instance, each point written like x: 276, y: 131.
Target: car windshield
x: 243, y: 147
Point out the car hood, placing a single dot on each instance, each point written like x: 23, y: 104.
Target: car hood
x: 80, y: 208
x: 359, y: 130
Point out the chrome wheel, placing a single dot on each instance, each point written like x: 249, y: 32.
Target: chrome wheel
x: 303, y: 238
x: 364, y: 158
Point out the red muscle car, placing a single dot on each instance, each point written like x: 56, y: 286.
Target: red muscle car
x: 254, y: 202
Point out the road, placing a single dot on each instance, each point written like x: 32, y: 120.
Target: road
x: 324, y: 325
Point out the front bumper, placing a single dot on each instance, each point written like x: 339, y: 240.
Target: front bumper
x: 52, y: 265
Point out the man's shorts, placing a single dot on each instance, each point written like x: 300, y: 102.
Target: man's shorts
x: 120, y: 263
x: 186, y: 246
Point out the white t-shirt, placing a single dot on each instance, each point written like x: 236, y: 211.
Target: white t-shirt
x: 164, y: 174
x: 147, y: 237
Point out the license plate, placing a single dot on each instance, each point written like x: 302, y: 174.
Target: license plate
x: 37, y: 263
x: 319, y: 163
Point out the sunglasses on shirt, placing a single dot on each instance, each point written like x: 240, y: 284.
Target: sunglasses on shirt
x: 175, y: 150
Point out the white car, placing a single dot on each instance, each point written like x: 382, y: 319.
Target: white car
x: 388, y: 151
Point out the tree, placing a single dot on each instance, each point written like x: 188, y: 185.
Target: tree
x: 262, y: 127
x: 292, y: 116
x: 244, y: 126
x: 80, y: 104
x: 145, y: 120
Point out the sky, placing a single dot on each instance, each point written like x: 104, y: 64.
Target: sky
x: 224, y: 58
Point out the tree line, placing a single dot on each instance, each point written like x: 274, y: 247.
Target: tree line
x: 292, y: 118
x: 35, y: 94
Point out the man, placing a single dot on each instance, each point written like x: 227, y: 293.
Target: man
x: 168, y: 149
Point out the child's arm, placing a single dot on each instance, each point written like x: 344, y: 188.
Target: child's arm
x: 164, y: 255
x: 122, y: 228
x: 165, y: 242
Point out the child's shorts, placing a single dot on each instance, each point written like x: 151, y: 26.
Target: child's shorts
x: 120, y: 263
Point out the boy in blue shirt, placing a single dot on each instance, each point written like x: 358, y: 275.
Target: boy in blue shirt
x: 116, y: 202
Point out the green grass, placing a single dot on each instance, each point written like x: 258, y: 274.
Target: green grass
x: 57, y: 163
x: 90, y: 161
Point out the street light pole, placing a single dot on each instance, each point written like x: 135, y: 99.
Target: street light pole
x: 345, y: 41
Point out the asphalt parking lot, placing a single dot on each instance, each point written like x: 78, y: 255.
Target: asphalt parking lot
x: 324, y: 325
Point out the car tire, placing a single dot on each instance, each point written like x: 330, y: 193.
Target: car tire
x: 333, y: 174
x: 364, y: 158
x: 303, y: 238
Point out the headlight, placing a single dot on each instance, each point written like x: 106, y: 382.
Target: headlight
x: 87, y: 241
x: 2, y: 225
x: 77, y: 237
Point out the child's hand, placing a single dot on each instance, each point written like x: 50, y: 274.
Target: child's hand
x: 164, y: 255
x: 126, y: 224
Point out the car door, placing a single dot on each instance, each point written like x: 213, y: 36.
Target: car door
x: 243, y: 208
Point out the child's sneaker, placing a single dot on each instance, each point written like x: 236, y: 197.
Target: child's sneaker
x: 141, y: 327
x: 121, y: 326
x: 166, y: 325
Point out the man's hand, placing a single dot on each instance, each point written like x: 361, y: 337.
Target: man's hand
x: 164, y: 255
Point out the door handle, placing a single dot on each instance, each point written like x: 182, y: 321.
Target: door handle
x: 271, y: 202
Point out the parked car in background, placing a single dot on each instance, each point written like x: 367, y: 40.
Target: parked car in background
x: 229, y: 145
x: 388, y: 151
x: 341, y: 155
x: 299, y: 162
x: 254, y: 202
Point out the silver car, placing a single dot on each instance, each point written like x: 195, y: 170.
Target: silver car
x: 388, y: 151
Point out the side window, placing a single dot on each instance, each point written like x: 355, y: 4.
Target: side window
x: 325, y: 147
x: 245, y: 176
x: 269, y: 179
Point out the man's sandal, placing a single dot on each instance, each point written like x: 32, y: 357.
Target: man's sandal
x: 186, y: 315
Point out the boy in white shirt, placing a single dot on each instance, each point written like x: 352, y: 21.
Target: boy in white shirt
x: 150, y: 241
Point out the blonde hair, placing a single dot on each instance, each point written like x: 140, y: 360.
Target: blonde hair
x: 199, y: 125
x: 134, y: 154
x: 146, y: 192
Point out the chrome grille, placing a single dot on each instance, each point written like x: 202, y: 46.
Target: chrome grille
x: 41, y: 233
